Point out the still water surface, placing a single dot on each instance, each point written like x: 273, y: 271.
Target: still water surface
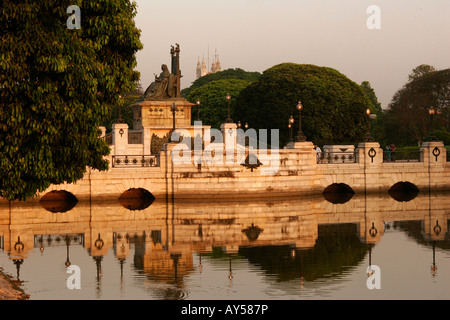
x: 266, y: 249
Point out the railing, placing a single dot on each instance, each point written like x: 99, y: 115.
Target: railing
x: 134, y: 161
x: 336, y: 157
x: 402, y: 156
x: 109, y: 138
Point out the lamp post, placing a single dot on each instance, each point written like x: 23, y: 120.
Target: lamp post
x: 431, y: 112
x: 228, y: 97
x: 120, y: 120
x: 173, y: 108
x: 291, y: 122
x: 373, y: 116
x: 198, y: 109
x: 300, y: 136
x: 368, y: 136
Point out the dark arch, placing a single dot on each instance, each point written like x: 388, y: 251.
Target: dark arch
x: 136, y: 199
x: 58, y: 201
x: 403, y: 191
x: 338, y: 193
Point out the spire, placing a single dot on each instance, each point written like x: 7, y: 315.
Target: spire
x: 218, y: 66
x: 199, y: 69
x: 204, y: 70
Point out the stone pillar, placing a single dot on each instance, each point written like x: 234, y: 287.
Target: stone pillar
x: 435, y: 225
x: 147, y: 140
x: 369, y: 153
x: 120, y: 138
x: 433, y: 153
x: 229, y: 134
x: 304, y: 145
x: 102, y: 132
x: 306, y: 150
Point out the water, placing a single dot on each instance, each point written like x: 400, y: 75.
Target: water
x: 260, y: 249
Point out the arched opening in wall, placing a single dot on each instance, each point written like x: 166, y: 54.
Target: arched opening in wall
x: 58, y: 201
x: 403, y: 191
x: 136, y: 199
x: 338, y: 193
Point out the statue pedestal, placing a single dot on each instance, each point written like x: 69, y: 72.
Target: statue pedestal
x: 158, y: 114
x: 155, y: 119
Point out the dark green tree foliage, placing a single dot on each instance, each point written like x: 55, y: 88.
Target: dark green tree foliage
x: 370, y: 94
x: 56, y: 84
x: 333, y: 105
x: 237, y: 73
x: 407, y: 117
x: 379, y: 123
x: 214, y: 106
x: 123, y: 110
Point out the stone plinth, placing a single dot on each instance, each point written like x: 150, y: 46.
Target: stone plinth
x: 301, y: 146
x: 158, y: 114
x: 229, y: 133
x: 120, y: 138
x: 369, y: 153
x: 434, y: 152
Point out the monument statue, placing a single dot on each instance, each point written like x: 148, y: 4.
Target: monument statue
x: 167, y: 84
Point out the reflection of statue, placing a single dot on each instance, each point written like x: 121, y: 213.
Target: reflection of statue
x: 167, y: 84
x: 164, y: 85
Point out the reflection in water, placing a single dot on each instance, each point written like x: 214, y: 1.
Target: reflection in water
x: 136, y: 199
x: 338, y: 193
x: 58, y: 201
x: 403, y: 191
x: 283, y: 241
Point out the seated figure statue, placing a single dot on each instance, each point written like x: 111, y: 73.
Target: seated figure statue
x: 163, y: 87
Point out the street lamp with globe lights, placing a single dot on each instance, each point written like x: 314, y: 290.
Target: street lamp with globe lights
x: 369, y: 137
x: 228, y: 97
x: 198, y: 109
x: 431, y: 112
x: 291, y: 122
x: 174, y: 109
x: 300, y: 136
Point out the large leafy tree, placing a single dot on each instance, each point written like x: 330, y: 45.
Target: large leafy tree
x: 213, y: 103
x: 379, y: 123
x: 407, y: 117
x: 333, y: 105
x: 56, y: 84
x: 238, y: 74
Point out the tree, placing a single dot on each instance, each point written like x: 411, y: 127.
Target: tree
x: 421, y: 70
x: 379, y: 122
x: 370, y: 94
x: 123, y: 110
x: 407, y: 116
x: 214, y: 106
x: 238, y: 74
x: 57, y: 84
x: 333, y: 105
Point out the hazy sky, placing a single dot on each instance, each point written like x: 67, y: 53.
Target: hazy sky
x: 256, y: 34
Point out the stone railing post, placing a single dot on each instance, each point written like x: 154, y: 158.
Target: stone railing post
x: 120, y: 138
x: 433, y: 153
x: 229, y: 134
x: 369, y: 154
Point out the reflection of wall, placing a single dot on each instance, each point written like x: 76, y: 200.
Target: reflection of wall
x: 185, y: 226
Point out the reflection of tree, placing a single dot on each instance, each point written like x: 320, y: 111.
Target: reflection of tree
x: 337, y: 249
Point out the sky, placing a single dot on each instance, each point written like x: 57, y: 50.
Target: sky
x: 255, y: 35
